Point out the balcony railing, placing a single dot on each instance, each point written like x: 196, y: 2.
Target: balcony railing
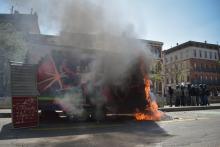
x: 208, y: 82
x: 206, y: 70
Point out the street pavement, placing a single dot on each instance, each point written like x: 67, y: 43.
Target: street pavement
x: 7, y: 112
x: 185, y: 128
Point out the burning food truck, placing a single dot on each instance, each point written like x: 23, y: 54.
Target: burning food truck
x: 87, y: 83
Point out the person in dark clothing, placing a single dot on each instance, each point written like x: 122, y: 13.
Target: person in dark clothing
x: 178, y: 95
x: 202, y: 92
x: 193, y: 94
x: 170, y: 90
x: 206, y: 95
x: 197, y: 95
x: 188, y: 94
x: 182, y: 99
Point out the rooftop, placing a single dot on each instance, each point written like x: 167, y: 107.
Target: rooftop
x: 84, y: 41
x: 21, y: 22
x: 152, y: 42
x: 194, y: 44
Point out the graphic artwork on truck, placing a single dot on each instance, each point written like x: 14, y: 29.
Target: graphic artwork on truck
x: 67, y: 81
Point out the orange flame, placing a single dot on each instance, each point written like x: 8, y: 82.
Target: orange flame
x: 152, y: 112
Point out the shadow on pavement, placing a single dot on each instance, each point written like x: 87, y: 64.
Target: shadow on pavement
x: 63, y: 127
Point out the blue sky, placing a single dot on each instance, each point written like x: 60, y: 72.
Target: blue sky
x: 169, y: 21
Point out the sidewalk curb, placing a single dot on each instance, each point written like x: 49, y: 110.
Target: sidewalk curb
x: 191, y: 108
x: 5, y: 115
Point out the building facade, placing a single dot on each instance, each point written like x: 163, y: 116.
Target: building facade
x: 27, y: 26
x: 155, y: 48
x: 13, y: 27
x: 193, y: 63
x: 26, y: 23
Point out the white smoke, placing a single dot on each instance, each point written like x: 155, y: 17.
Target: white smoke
x: 71, y: 102
x: 92, y: 24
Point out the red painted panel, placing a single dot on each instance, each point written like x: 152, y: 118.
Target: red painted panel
x: 24, y: 112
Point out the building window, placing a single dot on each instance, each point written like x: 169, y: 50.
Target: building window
x: 194, y: 65
x: 200, y: 53
x: 176, y: 66
x: 186, y: 53
x: 176, y: 57
x: 181, y: 55
x: 171, y: 59
x: 210, y: 55
x: 205, y: 54
x: 194, y: 53
x: 215, y: 55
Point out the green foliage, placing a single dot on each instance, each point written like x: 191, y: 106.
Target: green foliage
x: 178, y: 73
x: 156, y: 77
x: 155, y: 74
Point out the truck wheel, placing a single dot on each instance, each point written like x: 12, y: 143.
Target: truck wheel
x: 99, y: 114
x: 84, y: 116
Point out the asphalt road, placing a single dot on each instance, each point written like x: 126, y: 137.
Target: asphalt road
x: 191, y: 128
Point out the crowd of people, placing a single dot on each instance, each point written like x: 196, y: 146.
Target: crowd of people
x: 189, y: 95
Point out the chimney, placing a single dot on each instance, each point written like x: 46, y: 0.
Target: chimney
x: 205, y: 41
x: 12, y: 9
x: 31, y: 11
x: 177, y: 44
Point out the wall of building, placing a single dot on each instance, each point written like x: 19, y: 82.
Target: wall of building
x: 156, y: 67
x: 179, y: 55
x: 194, y: 65
x: 203, y: 53
x: 192, y: 52
x: 177, y: 67
x: 205, y: 71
